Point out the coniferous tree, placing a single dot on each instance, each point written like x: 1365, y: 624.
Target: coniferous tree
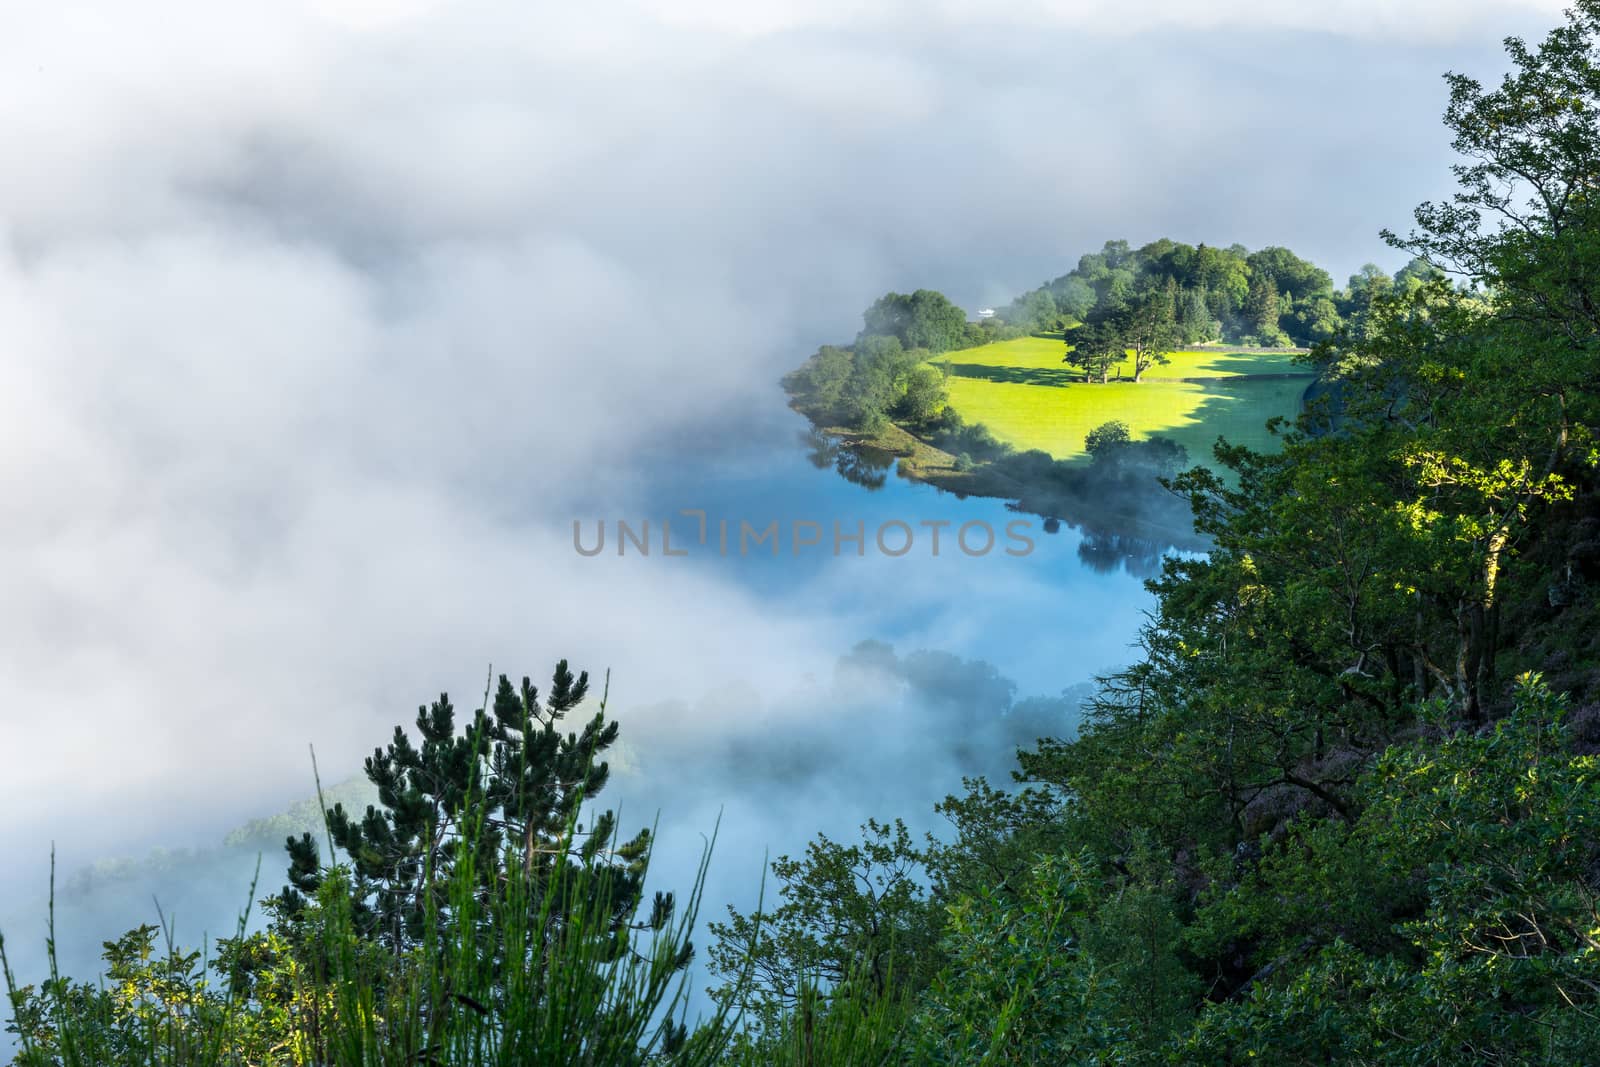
x: 1195, y: 319
x: 1261, y: 308
x: 1093, y: 348
x: 511, y: 785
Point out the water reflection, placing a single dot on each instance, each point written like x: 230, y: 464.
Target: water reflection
x: 1115, y: 534
x: 863, y: 465
x: 1104, y: 552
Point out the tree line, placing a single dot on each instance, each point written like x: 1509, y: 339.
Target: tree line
x: 1203, y: 293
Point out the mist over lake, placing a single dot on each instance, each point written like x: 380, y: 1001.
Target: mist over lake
x: 336, y: 333
x: 773, y: 745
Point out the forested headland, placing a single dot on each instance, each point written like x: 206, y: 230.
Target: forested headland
x: 1022, y: 404
x: 1342, y: 809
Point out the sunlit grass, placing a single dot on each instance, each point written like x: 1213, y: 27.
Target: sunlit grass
x: 1029, y: 398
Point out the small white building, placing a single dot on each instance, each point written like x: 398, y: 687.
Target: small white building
x: 985, y: 313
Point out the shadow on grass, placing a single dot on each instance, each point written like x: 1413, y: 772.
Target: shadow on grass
x: 1223, y: 378
x: 1017, y: 375
x: 1052, y: 377
x: 1219, y: 415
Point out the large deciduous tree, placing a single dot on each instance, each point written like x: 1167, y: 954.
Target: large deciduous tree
x: 1149, y: 326
x: 923, y: 319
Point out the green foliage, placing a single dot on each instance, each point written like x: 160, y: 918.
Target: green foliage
x: 1017, y: 987
x: 1262, y: 311
x: 1039, y: 310
x: 1471, y: 936
x: 1106, y: 438
x: 1143, y: 325
x: 973, y: 440
x: 924, y: 397
x: 820, y: 382
x: 924, y: 319
x: 849, y: 1027
x: 1271, y: 295
x: 1288, y: 273
x: 851, y: 919
x: 1094, y: 348
x: 1075, y: 298
x: 862, y: 387
x: 1135, y: 938
x: 1315, y: 320
x: 153, y: 1007
x: 304, y: 815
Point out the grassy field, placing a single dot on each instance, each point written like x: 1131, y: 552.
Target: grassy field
x: 1029, y: 398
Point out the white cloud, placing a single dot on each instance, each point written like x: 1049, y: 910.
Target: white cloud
x: 1421, y: 20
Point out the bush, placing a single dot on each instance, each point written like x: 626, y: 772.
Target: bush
x: 1033, y: 465
x: 974, y: 439
x: 1018, y: 989
x: 1105, y: 440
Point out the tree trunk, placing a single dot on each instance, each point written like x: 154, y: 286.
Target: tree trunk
x: 1491, y: 563
x: 1474, y: 676
x: 1391, y: 660
x: 1485, y: 621
x: 1419, y: 669
x: 1466, y: 679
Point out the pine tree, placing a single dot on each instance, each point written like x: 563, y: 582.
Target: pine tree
x: 509, y: 787
x: 1261, y: 307
x: 1196, y: 319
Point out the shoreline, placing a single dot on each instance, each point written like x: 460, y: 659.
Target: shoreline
x: 918, y: 461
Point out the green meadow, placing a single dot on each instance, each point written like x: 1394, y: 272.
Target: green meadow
x: 1023, y: 392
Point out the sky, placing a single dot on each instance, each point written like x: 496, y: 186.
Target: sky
x: 321, y: 321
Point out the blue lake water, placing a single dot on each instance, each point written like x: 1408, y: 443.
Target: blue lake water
x: 1068, y: 608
